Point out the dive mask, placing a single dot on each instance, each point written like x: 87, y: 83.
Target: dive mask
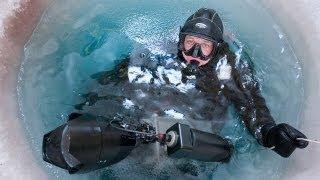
x: 196, y: 52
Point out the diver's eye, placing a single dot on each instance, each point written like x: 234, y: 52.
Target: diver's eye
x: 205, y: 46
x: 189, y: 42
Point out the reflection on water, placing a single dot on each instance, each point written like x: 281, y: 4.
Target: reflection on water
x: 76, y: 39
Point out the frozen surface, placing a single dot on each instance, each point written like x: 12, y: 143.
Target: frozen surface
x: 7, y: 9
x: 303, y: 31
x: 70, y: 45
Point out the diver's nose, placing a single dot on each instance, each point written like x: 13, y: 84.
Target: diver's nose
x: 196, y: 51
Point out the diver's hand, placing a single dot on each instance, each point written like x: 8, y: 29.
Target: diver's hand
x: 283, y: 138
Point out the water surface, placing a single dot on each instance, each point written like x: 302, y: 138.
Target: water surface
x: 78, y: 38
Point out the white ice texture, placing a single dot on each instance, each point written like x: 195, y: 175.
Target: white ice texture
x: 8, y: 8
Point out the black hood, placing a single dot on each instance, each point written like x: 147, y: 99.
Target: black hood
x: 204, y: 23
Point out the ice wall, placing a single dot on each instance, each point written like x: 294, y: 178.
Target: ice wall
x: 300, y: 19
x: 17, y: 20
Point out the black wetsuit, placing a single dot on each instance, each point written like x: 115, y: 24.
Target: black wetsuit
x: 144, y: 85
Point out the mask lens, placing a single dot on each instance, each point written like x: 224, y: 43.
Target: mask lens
x: 197, y: 51
x: 207, y: 49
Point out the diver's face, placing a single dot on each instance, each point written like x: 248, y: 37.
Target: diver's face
x: 205, y: 45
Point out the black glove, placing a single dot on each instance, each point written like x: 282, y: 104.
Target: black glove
x: 283, y: 138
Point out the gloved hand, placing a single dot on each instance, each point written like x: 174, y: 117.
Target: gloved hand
x: 283, y: 138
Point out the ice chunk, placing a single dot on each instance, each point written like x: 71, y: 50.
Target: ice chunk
x: 127, y: 103
x: 174, y: 114
x: 174, y: 76
x: 185, y: 87
x: 223, y: 69
x: 136, y: 74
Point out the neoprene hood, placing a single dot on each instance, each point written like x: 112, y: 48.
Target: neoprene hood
x: 206, y: 24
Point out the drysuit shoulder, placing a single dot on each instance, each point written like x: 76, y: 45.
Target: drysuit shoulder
x: 141, y: 56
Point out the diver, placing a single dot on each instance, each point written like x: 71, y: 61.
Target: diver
x: 203, y: 77
x: 201, y: 43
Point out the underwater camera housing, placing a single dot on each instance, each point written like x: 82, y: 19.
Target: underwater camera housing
x: 86, y: 143
x: 185, y: 142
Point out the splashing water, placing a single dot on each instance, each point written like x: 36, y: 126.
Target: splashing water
x: 78, y: 38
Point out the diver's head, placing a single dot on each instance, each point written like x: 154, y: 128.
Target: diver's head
x: 200, y: 36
